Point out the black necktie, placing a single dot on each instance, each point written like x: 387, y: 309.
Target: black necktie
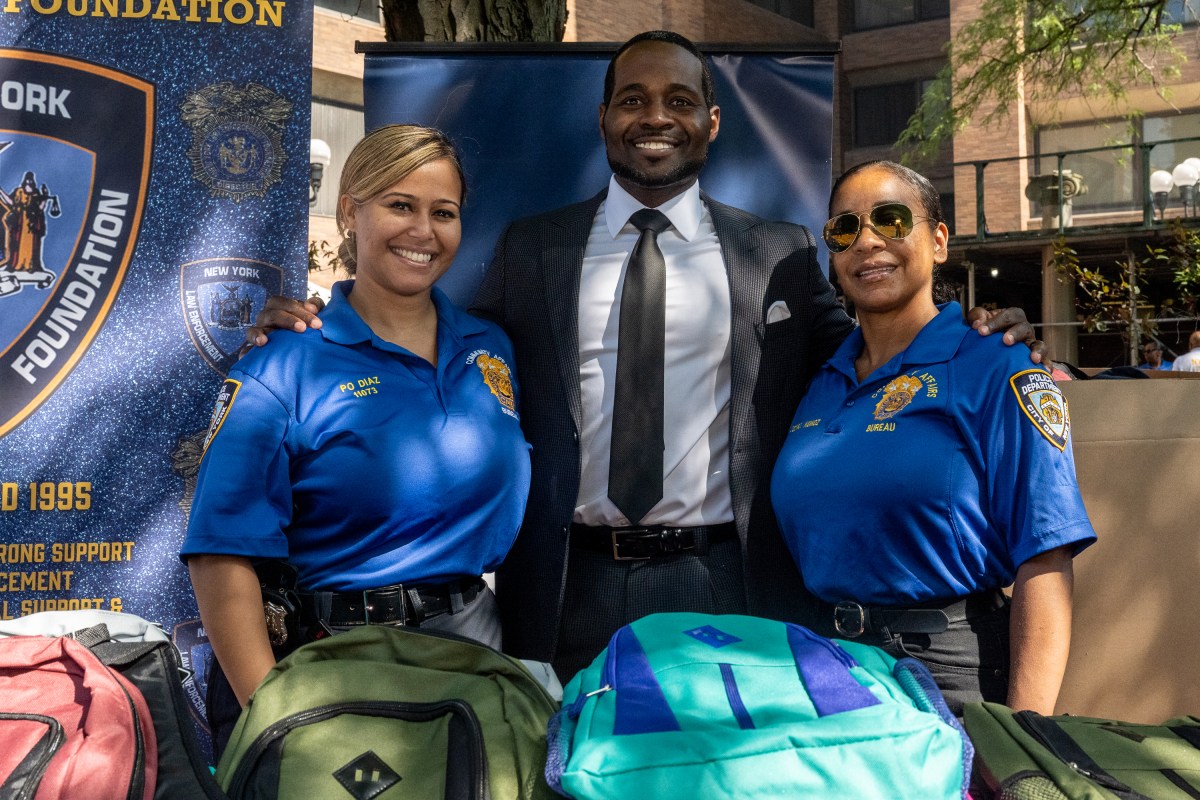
x: 635, y: 472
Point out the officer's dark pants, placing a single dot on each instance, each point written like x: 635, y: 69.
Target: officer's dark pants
x: 968, y: 661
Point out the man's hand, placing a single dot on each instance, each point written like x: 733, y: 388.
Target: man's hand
x: 284, y: 313
x: 1014, y: 324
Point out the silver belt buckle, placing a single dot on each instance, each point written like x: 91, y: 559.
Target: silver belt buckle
x: 616, y: 545
x: 850, y: 619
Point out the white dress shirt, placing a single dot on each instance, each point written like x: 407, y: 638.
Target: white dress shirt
x: 696, y: 370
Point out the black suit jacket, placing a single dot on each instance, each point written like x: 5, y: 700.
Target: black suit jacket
x: 531, y: 289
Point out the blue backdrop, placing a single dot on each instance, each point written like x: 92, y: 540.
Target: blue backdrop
x: 527, y: 122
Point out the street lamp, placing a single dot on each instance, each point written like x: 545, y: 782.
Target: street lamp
x: 319, y: 157
x: 1161, y: 184
x: 1184, y: 176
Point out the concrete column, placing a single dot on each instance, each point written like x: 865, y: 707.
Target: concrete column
x: 1058, y: 305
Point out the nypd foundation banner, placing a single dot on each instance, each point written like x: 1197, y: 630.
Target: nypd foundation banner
x: 153, y: 184
x: 526, y: 120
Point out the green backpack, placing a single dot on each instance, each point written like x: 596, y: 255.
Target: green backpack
x: 378, y: 713
x: 1026, y: 756
x: 695, y: 706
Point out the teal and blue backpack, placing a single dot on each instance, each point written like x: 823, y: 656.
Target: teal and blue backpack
x: 695, y: 706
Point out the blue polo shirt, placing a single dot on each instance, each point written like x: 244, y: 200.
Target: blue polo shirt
x: 936, y: 477
x: 361, y: 463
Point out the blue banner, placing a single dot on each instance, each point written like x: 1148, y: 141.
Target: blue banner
x: 153, y: 184
x: 527, y: 122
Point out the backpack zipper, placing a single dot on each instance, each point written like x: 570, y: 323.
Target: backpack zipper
x: 137, y: 781
x: 55, y: 736
x: 419, y: 712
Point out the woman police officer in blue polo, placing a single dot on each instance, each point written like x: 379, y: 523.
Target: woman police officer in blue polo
x: 927, y: 467
x: 380, y: 455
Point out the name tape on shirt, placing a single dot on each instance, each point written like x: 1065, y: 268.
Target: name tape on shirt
x: 1043, y: 404
x: 225, y: 398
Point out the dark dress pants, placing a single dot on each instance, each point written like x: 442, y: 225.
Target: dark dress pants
x: 603, y: 594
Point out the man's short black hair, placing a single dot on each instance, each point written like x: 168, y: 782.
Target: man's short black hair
x: 670, y: 37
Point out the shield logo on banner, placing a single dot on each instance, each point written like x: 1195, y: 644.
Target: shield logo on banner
x: 75, y: 146
x: 220, y: 298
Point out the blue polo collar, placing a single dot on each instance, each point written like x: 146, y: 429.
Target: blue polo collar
x: 936, y: 343
x: 341, y: 324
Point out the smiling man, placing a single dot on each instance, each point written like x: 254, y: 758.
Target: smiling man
x: 740, y: 316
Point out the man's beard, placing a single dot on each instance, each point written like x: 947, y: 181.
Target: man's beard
x: 686, y: 170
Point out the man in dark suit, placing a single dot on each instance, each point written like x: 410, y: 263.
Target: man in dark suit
x: 748, y: 307
x: 749, y: 316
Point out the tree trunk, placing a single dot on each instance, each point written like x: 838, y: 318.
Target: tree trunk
x: 474, y: 20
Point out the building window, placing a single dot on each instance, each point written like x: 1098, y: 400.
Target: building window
x: 870, y: 14
x: 881, y: 113
x: 1114, y: 176
x: 1109, y: 174
x: 359, y: 9
x: 798, y: 10
x: 1161, y: 129
x: 341, y: 127
x: 1181, y: 12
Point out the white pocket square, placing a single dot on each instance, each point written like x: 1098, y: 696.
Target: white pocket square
x: 778, y: 312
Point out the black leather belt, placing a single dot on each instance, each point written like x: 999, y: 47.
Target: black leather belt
x: 639, y: 544
x: 852, y: 620
x: 409, y: 605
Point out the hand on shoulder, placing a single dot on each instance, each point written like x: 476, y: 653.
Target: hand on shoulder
x: 283, y: 313
x: 1014, y: 326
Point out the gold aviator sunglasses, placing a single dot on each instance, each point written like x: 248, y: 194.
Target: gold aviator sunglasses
x: 890, y: 220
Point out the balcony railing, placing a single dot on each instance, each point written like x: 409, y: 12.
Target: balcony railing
x: 1090, y: 190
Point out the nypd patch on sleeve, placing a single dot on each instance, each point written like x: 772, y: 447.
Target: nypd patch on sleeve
x: 225, y: 398
x: 1043, y: 404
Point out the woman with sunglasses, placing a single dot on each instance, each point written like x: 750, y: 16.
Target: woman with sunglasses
x: 928, y: 467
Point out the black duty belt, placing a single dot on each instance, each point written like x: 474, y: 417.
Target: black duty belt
x: 639, y: 544
x: 852, y: 620
x: 408, y: 605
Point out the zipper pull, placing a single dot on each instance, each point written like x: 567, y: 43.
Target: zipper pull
x: 576, y: 707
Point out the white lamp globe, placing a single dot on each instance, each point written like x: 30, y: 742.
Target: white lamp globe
x: 1195, y: 162
x: 1185, y: 175
x: 319, y: 153
x: 1161, y: 181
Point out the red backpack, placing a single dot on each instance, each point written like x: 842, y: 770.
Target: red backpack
x: 70, y: 727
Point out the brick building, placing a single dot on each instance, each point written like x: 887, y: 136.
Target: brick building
x: 890, y: 51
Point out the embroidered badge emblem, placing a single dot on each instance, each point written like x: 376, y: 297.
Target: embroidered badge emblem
x: 498, y: 378
x: 75, y: 142
x: 896, y: 395
x: 237, y: 147
x: 225, y: 398
x: 1043, y: 404
x: 220, y: 298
